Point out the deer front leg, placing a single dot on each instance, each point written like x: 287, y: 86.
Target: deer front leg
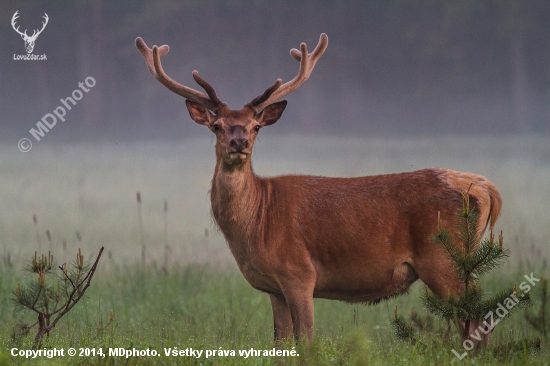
x: 282, y: 320
x: 300, y: 304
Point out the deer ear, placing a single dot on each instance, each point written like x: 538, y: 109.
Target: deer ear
x: 271, y: 113
x: 199, y: 113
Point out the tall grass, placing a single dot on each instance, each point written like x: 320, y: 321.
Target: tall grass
x: 200, y: 299
x: 204, y: 307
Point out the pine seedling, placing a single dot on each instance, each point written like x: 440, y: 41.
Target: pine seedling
x: 51, y: 294
x: 472, y: 258
x: 403, y: 329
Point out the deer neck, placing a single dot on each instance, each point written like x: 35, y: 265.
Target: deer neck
x: 235, y: 198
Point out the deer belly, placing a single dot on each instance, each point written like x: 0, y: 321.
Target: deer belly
x: 354, y: 284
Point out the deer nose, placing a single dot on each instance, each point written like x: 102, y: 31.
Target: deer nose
x: 239, y: 144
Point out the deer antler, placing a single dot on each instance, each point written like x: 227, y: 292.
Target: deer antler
x: 13, y: 19
x: 152, y: 59
x: 35, y: 34
x: 307, y: 63
x: 24, y: 34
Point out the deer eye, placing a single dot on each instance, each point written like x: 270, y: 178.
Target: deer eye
x: 216, y: 127
x: 257, y: 128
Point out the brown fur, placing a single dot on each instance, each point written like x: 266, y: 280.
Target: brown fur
x: 352, y: 239
x: 299, y: 237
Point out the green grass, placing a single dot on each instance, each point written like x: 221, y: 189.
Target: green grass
x: 202, y: 301
x: 206, y: 308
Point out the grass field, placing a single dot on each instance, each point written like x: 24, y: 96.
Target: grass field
x: 85, y: 195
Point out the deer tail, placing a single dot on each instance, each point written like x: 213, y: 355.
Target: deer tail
x: 496, y: 205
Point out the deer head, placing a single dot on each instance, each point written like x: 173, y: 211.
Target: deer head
x: 29, y: 40
x: 235, y: 130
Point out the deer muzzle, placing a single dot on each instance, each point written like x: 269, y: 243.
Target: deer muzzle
x: 239, y: 145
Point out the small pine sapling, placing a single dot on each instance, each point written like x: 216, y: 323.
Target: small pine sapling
x: 52, y: 295
x: 472, y: 257
x: 404, y: 330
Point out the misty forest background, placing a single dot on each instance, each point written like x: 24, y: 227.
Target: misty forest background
x: 391, y: 68
x: 403, y: 85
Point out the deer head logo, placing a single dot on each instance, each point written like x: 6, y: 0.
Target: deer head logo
x: 29, y: 40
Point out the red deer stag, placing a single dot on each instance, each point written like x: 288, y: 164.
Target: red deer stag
x: 298, y: 237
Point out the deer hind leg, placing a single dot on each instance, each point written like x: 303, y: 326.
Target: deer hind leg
x: 282, y: 320
x: 438, y: 273
x: 440, y: 277
x: 479, y: 331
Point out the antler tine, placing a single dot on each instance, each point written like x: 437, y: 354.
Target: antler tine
x: 147, y: 54
x: 178, y: 88
x: 208, y: 88
x: 13, y: 21
x: 265, y: 95
x: 307, y: 63
x: 152, y: 59
x: 46, y: 19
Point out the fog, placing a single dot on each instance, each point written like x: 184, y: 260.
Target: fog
x: 401, y: 86
x: 392, y: 68
x: 90, y: 189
